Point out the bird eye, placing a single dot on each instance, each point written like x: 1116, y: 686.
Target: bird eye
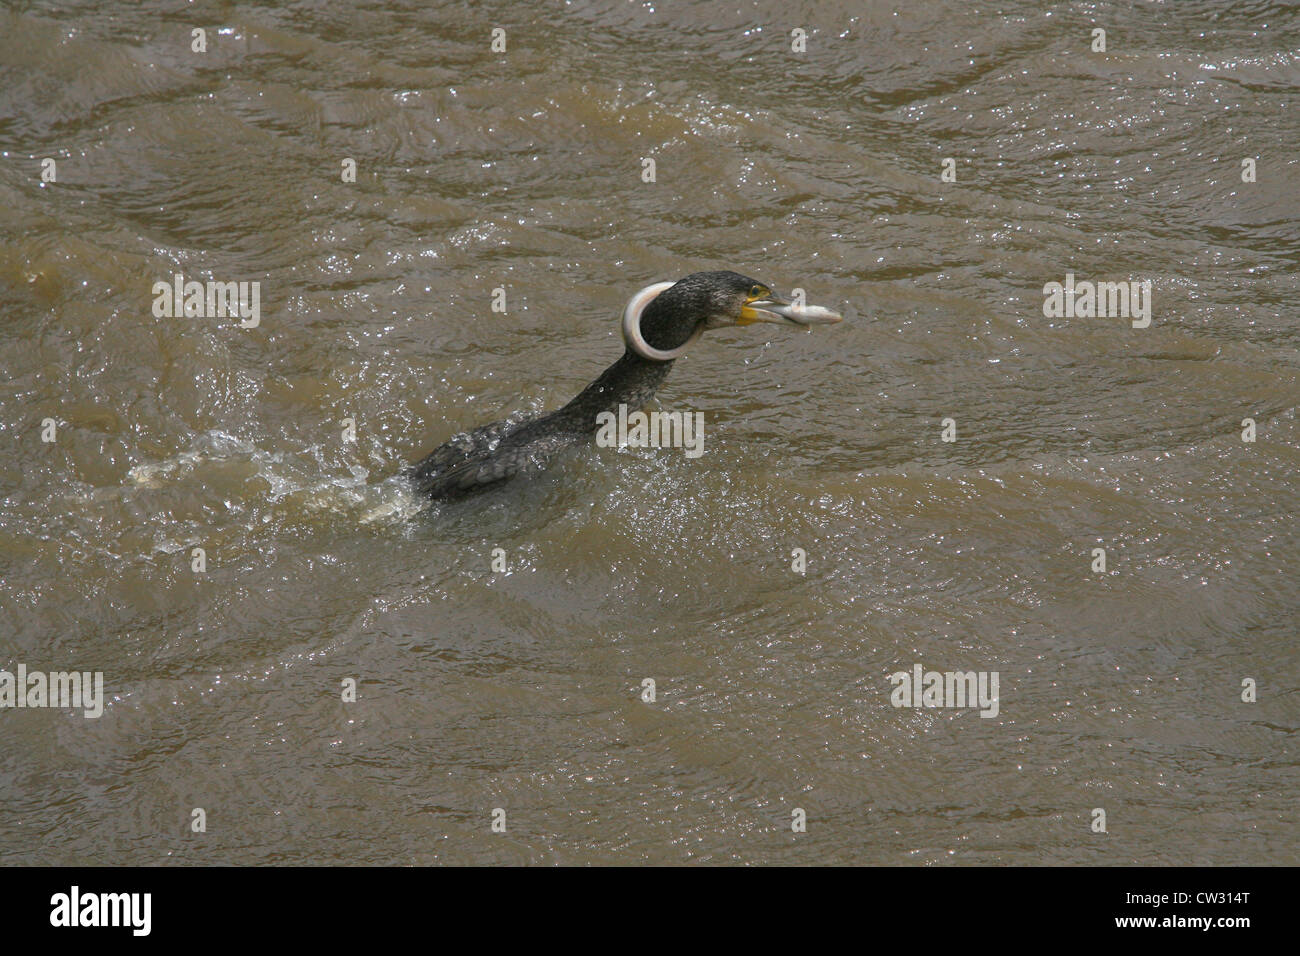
x: 757, y: 292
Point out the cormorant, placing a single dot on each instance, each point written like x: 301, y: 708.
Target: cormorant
x: 659, y: 324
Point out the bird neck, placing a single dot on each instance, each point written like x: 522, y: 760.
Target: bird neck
x: 631, y: 381
x: 665, y: 325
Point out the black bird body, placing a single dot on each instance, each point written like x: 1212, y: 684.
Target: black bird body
x: 494, y: 453
x: 502, y: 450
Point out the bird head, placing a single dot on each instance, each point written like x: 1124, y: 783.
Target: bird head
x: 663, y: 319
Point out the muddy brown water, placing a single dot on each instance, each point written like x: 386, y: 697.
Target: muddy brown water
x: 522, y: 689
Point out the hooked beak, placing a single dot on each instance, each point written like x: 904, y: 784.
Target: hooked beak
x: 773, y: 308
